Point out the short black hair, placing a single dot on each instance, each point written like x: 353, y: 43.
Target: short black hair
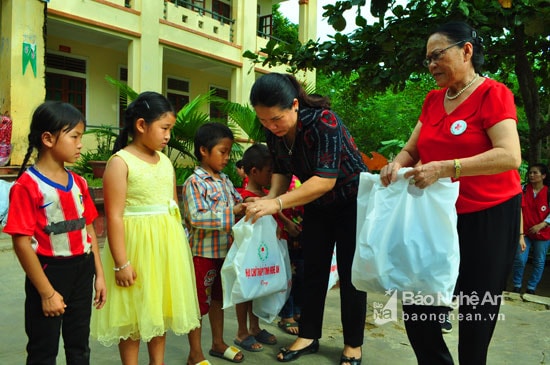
x: 257, y: 156
x: 210, y: 134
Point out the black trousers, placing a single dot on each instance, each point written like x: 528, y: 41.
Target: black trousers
x: 322, y: 228
x: 73, y: 278
x: 488, y: 241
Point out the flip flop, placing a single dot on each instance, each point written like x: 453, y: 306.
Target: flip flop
x: 285, y: 326
x: 265, y: 337
x: 248, y: 344
x: 229, y: 354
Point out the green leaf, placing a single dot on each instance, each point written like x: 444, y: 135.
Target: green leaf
x: 463, y: 6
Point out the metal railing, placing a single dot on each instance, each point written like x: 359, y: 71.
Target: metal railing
x: 202, y: 11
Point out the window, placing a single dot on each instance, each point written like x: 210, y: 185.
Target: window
x: 66, y: 88
x: 177, y: 91
x: 265, y: 25
x: 195, y: 5
x: 220, y: 8
x: 66, y: 80
x: 215, y: 113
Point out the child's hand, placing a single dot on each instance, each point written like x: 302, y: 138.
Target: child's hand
x: 239, y: 209
x: 292, y: 228
x: 100, y: 292
x: 126, y: 276
x: 53, y: 306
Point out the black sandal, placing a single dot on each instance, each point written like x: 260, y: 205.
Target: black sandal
x: 349, y: 360
x: 289, y: 355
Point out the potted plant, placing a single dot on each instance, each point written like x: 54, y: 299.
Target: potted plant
x: 92, y: 162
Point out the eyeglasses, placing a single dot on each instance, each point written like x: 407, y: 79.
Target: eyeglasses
x: 436, y: 55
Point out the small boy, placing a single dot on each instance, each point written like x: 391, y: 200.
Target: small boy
x: 258, y: 166
x: 210, y: 205
x: 242, y: 175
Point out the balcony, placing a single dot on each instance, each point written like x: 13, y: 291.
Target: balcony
x: 189, y: 15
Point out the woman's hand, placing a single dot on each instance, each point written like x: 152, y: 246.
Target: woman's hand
x: 522, y: 244
x: 537, y: 227
x: 388, y: 174
x: 424, y: 175
x: 261, y: 207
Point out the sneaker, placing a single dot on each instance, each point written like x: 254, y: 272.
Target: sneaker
x: 516, y: 289
x: 530, y: 291
x: 446, y: 326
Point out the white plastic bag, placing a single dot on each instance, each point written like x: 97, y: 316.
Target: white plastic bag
x: 5, y: 187
x: 407, y: 239
x: 269, y: 306
x: 333, y: 278
x: 254, y: 266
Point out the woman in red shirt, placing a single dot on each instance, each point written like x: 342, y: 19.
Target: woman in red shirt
x: 466, y: 131
x: 535, y: 234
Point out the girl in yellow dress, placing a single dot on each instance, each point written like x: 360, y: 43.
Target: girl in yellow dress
x: 151, y: 282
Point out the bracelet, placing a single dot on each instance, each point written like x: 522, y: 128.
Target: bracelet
x: 280, y: 204
x: 122, y: 267
x: 457, y: 168
x: 51, y: 296
x: 522, y: 234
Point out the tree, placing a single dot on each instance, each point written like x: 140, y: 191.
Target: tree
x: 389, y: 52
x: 283, y: 29
x: 381, y: 122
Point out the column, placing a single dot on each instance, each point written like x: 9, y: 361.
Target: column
x: 22, y: 69
x: 145, y: 55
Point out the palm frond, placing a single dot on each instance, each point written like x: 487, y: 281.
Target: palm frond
x: 243, y: 116
x: 125, y: 90
x: 188, y: 120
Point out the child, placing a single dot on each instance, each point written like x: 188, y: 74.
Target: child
x: 210, y: 205
x: 291, y: 311
x: 152, y: 282
x: 50, y: 220
x: 258, y: 166
x: 242, y: 175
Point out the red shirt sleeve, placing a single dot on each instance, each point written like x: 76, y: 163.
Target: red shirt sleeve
x: 90, y: 210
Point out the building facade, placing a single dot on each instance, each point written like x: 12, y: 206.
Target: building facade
x: 64, y: 49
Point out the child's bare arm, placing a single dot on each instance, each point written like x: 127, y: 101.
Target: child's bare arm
x: 292, y: 228
x: 100, y: 287
x: 115, y: 185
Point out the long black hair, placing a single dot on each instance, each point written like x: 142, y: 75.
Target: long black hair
x: 150, y: 106
x: 275, y: 89
x: 53, y: 117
